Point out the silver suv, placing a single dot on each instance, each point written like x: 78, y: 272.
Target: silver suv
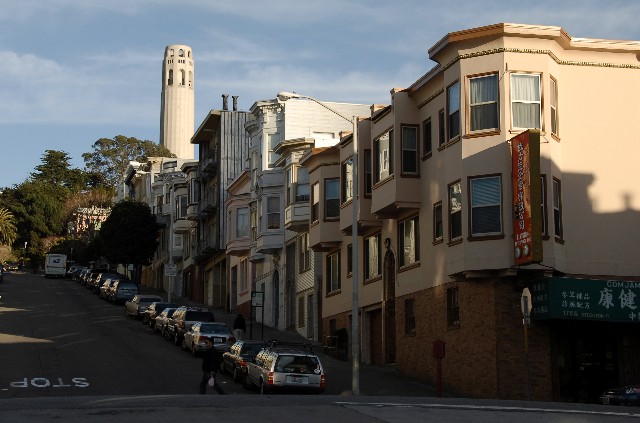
x: 287, y: 367
x: 182, y: 320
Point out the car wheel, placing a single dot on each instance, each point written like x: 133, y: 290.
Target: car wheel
x: 263, y: 388
x: 194, y: 352
x: 176, y: 339
x: 236, y: 374
x: 246, y: 383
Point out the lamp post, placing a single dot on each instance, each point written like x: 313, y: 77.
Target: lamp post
x: 355, y: 318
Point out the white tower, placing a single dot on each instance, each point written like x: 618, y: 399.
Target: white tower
x: 176, y: 114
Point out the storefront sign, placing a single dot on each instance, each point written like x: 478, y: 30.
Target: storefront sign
x: 526, y: 197
x: 586, y: 299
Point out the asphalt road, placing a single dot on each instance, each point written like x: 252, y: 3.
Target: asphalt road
x: 59, y: 339
x: 66, y: 355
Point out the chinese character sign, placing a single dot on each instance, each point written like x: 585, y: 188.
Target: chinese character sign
x: 526, y: 197
x: 586, y: 299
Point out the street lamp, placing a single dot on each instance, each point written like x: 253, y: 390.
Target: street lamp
x: 355, y: 318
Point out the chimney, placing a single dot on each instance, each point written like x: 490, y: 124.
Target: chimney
x: 225, y: 101
x: 235, y: 103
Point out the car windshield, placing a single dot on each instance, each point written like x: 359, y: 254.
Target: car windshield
x: 127, y: 286
x: 252, y: 348
x: 296, y: 364
x: 214, y: 327
x: 148, y: 300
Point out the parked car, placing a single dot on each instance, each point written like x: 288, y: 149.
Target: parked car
x: 105, y: 288
x: 162, y: 321
x: 136, y: 306
x: 182, y: 320
x: 122, y: 291
x: 283, y: 366
x: 1, y: 273
x: 99, y: 280
x: 81, y: 277
x: 150, y: 314
x: 622, y: 395
x: 235, y: 360
x: 194, y: 338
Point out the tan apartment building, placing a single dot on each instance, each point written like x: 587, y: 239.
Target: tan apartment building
x: 506, y: 166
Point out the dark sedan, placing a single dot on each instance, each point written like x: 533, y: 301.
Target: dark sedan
x: 622, y: 395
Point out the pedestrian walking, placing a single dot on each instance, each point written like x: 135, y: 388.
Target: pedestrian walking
x: 239, y: 327
x: 210, y: 366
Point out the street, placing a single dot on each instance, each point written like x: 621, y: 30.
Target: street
x: 64, y: 353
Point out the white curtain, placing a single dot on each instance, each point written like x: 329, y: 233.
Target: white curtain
x: 483, y: 98
x: 525, y: 101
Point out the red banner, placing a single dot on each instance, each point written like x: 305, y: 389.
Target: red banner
x: 525, y: 179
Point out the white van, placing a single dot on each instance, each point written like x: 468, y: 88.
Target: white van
x: 55, y: 265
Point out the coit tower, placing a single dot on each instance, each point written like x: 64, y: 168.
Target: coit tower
x: 176, y: 114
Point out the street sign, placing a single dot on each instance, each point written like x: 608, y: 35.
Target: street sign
x: 257, y: 298
x: 170, y: 269
x: 525, y: 302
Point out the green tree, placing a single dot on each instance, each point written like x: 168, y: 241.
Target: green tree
x: 111, y: 156
x: 8, y: 228
x: 128, y: 235
x: 55, y: 171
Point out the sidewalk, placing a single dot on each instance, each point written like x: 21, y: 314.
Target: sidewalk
x: 373, y: 380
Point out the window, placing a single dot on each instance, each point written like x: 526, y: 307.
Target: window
x: 453, y: 309
x: 557, y: 208
x: 441, y: 131
x: 182, y: 77
x: 177, y: 241
x: 304, y: 252
x: 384, y: 156
x: 408, y: 242
x: 254, y: 225
x: 243, y: 274
x: 543, y: 205
x: 453, y: 111
x: 301, y: 315
x: 455, y: 211
x: 426, y: 138
x: 437, y: 222
x: 368, y: 174
x: 274, y: 140
x: 525, y: 101
x: 372, y: 262
x: 242, y: 222
x: 483, y: 103
x: 554, y: 106
x: 315, y: 203
x: 347, y: 179
x: 181, y: 206
x: 331, y: 198
x: 486, y: 209
x: 349, y: 259
x: 302, y: 185
x: 273, y: 212
x: 170, y: 81
x: 333, y: 272
x: 410, y: 316
x: 409, y: 150
x: 289, y: 187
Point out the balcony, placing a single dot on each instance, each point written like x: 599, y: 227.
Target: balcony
x: 296, y: 217
x: 239, y: 246
x: 192, y: 211
x: 269, y: 242
x: 325, y: 235
x: 208, y: 205
x: 207, y: 247
x: 208, y: 162
x: 181, y: 226
x: 394, y: 195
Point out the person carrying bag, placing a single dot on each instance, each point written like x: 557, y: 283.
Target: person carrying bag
x: 210, y: 366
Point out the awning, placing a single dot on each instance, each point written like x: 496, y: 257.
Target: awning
x: 586, y: 299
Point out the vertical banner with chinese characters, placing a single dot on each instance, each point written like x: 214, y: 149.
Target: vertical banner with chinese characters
x: 526, y: 197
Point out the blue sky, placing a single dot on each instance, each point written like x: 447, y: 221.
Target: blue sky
x: 75, y: 71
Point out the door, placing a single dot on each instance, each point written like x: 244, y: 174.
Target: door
x: 375, y: 337
x: 290, y: 286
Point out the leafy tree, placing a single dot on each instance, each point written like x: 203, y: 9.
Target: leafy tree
x: 128, y: 236
x: 55, y: 171
x: 8, y: 228
x: 111, y: 156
